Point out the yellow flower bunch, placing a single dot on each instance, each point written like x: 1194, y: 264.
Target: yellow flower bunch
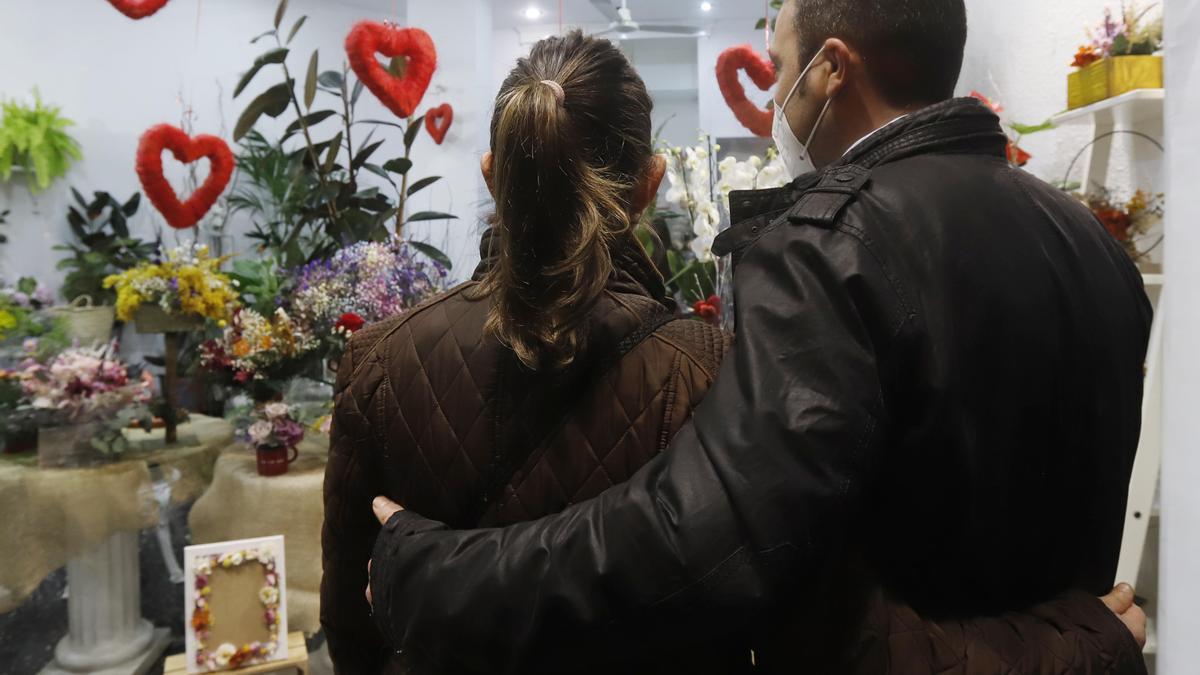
x: 1138, y: 203
x: 8, y: 321
x: 189, y: 282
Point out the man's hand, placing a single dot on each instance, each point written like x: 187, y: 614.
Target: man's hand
x: 385, y: 508
x: 1120, y: 601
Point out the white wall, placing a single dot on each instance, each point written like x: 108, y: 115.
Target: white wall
x: 116, y: 77
x: 1180, y: 543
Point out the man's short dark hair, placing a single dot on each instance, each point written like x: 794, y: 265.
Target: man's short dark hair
x: 914, y: 48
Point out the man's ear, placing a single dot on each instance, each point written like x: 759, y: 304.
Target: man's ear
x: 840, y: 57
x: 485, y: 166
x: 646, y: 191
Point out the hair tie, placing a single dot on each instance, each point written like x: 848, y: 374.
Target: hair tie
x: 557, y: 88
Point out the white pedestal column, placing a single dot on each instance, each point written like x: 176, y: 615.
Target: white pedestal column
x: 107, y: 633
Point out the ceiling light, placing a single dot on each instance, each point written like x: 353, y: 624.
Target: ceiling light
x: 532, y: 13
x: 706, y: 6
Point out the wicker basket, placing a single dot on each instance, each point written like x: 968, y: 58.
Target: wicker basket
x: 86, y: 323
x: 152, y: 319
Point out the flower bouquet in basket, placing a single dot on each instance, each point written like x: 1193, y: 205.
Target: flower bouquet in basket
x: 274, y: 431
x: 82, y: 400
x: 1128, y: 221
x: 260, y: 353
x: 175, y: 293
x: 1122, y: 54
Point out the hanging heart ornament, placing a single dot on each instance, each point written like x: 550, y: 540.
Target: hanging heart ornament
x: 761, y: 72
x: 137, y: 9
x: 182, y: 215
x: 401, y: 94
x: 438, y: 121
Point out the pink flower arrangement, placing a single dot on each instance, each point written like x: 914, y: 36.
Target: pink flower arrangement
x: 274, y: 426
x: 82, y: 384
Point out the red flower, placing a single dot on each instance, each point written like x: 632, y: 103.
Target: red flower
x: 350, y: 322
x: 1117, y: 222
x: 1018, y: 156
x: 709, y: 310
x: 1086, y: 56
x: 242, y: 377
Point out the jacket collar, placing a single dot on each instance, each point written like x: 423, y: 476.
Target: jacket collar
x: 960, y: 125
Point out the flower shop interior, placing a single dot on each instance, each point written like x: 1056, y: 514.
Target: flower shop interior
x: 201, y: 201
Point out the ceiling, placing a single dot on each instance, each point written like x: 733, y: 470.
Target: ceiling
x: 507, y: 13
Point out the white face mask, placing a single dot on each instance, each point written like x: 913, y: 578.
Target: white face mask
x: 795, y: 155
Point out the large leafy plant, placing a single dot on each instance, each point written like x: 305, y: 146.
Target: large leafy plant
x: 34, y: 139
x: 102, y: 245
x: 305, y: 190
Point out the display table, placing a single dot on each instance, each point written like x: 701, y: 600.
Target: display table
x: 53, y: 515
x: 88, y: 519
x: 240, y: 504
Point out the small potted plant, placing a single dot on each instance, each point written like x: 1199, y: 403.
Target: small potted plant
x: 274, y: 432
x: 1123, y: 54
x: 102, y: 246
x: 82, y: 401
x: 33, y: 140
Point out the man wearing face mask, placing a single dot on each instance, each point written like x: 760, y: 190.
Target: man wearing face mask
x: 935, y: 391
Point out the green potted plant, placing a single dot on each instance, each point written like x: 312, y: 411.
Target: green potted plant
x: 33, y: 139
x: 102, y: 246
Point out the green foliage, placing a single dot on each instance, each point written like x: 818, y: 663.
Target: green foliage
x: 34, y: 139
x: 776, y: 5
x: 305, y: 195
x: 259, y: 282
x: 102, y: 245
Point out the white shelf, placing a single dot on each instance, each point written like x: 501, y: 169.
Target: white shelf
x: 1152, y: 280
x: 1139, y: 105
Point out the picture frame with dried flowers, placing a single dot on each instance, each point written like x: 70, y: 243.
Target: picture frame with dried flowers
x: 235, y: 602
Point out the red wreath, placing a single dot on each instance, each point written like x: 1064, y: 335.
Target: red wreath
x: 137, y: 9
x: 401, y: 95
x: 761, y: 71
x: 182, y: 215
x: 438, y: 121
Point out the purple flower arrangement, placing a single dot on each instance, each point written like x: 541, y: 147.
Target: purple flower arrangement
x: 274, y: 426
x: 373, y: 280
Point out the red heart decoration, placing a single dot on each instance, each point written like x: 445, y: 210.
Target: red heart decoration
x: 761, y: 71
x: 137, y: 9
x: 182, y: 215
x: 401, y: 95
x: 438, y: 121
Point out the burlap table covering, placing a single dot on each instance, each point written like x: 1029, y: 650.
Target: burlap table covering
x: 240, y: 504
x: 48, y: 516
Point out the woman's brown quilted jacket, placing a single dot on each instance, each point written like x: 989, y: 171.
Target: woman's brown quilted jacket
x: 438, y: 416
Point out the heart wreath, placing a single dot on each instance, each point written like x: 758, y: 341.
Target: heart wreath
x: 761, y: 72
x: 137, y: 9
x: 438, y: 121
x: 182, y: 215
x: 401, y: 95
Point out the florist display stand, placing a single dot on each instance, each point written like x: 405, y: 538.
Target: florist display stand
x: 89, y: 519
x: 241, y: 504
x: 152, y: 320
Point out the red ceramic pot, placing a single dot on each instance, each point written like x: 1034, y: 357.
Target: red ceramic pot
x: 275, y: 461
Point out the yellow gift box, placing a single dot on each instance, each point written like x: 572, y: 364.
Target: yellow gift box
x: 1111, y: 77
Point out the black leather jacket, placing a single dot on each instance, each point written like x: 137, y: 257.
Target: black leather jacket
x: 936, y: 384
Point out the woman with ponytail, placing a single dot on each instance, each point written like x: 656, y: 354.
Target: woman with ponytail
x: 557, y: 373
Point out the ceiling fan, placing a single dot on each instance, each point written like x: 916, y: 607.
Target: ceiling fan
x: 624, y: 26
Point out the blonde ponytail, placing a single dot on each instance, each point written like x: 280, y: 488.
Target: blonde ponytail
x: 565, y: 161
